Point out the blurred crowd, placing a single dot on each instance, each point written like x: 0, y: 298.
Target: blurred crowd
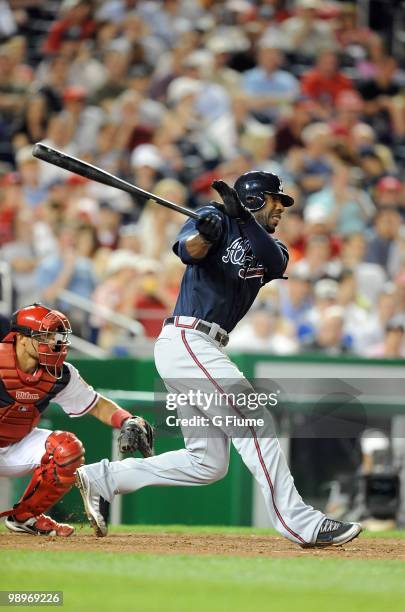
x: 172, y: 94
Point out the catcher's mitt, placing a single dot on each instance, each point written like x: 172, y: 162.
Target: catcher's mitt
x: 136, y: 434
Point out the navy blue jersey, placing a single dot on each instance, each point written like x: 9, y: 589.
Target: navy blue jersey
x: 221, y: 287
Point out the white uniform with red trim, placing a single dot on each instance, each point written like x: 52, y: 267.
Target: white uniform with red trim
x: 188, y: 359
x: 24, y: 456
x: 218, y: 289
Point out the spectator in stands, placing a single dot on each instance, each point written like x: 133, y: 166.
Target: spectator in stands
x: 8, y: 24
x: 86, y: 70
x: 144, y: 47
x: 12, y: 99
x: 295, y: 301
x: 151, y: 302
x: 400, y: 291
x: 33, y: 190
x: 171, y: 276
x: 130, y: 238
x: 317, y: 260
x: 67, y: 269
x: 349, y: 35
x: 264, y: 331
x: 293, y: 234
x: 147, y: 164
x: 212, y: 101
x: 383, y: 104
x: 160, y: 225
x: 55, y: 76
x: 227, y: 131
x: 325, y: 292
x: 329, y: 337
x: 382, y: 237
x: 393, y: 344
x: 348, y: 208
x: 76, y: 20
x: 325, y: 82
x: 106, y: 152
x: 139, y: 83
x: 11, y: 201
x: 349, y: 109
x: 291, y: 125
x: 33, y: 121
x: 311, y: 166
x: 355, y: 307
x: 21, y: 254
x: 108, y: 225
x: 318, y: 222
x: 258, y: 140
x: 390, y: 193
x: 371, y: 168
x: 222, y: 74
x: 372, y: 331
x: 396, y: 260
x: 305, y: 35
x: 49, y: 218
x: 117, y: 292
x: 4, y: 326
x: 115, y: 62
x: 363, y: 142
x: 59, y: 135
x: 370, y: 277
x: 268, y: 86
x: 132, y: 130
x: 85, y: 120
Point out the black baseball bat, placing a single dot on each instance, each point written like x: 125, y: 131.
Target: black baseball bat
x: 78, y: 166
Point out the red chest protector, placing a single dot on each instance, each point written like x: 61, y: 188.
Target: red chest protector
x: 23, y: 397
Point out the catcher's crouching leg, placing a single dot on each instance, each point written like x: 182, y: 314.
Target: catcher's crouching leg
x: 51, y: 480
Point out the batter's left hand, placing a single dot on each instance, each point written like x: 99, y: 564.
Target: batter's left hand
x: 232, y: 204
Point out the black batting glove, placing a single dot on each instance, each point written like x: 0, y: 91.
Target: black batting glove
x: 209, y: 225
x: 232, y: 204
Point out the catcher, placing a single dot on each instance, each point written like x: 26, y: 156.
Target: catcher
x: 33, y: 373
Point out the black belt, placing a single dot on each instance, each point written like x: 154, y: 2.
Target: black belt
x: 221, y: 337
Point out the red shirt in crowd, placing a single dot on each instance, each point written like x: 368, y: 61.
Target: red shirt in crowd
x: 63, y: 27
x: 152, y: 324
x: 319, y: 87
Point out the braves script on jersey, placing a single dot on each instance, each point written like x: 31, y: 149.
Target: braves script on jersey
x: 222, y: 287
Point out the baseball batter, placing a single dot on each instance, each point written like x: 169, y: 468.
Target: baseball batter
x: 33, y: 373
x: 230, y: 254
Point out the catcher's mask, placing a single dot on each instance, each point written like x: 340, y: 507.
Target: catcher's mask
x: 50, y: 328
x: 251, y: 188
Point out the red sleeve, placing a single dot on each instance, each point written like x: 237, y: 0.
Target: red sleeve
x: 345, y: 82
x: 309, y: 84
x: 88, y: 29
x: 202, y: 183
x: 53, y: 40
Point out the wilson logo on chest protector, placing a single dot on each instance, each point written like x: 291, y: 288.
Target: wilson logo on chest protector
x: 26, y: 395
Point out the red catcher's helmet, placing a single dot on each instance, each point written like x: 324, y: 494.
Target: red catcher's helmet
x: 50, y: 328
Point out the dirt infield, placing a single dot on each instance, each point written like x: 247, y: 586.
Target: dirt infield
x: 203, y: 544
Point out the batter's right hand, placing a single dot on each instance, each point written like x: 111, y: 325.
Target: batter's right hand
x: 209, y: 225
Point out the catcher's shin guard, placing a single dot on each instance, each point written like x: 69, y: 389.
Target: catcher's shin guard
x: 54, y: 477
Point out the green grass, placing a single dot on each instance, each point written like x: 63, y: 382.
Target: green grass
x: 181, y: 583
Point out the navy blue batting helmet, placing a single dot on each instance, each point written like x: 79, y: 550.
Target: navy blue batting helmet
x: 251, y: 188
